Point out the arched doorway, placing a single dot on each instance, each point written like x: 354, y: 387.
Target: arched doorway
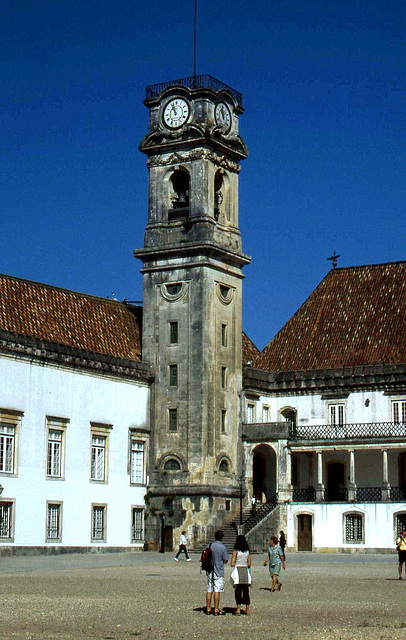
x: 336, y: 482
x: 264, y: 473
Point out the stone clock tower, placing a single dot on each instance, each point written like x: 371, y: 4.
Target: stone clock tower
x: 192, y: 261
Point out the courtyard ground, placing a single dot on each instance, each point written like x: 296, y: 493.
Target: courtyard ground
x: 148, y: 595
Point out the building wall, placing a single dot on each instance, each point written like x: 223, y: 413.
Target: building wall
x: 40, y: 391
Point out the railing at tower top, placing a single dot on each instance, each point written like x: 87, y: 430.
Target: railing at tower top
x: 259, y: 514
x: 193, y: 82
x: 354, y: 430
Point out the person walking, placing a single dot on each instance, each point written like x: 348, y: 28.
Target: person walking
x: 401, y: 547
x: 276, y: 561
x: 182, y: 547
x: 241, y: 561
x: 282, y: 543
x: 215, y: 578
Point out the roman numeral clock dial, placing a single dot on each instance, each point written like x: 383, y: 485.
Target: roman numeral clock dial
x: 176, y: 112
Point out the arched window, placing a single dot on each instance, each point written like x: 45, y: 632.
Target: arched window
x: 172, y: 465
x: 290, y: 415
x: 179, y: 186
x: 223, y: 466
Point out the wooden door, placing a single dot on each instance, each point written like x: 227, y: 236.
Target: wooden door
x: 304, y: 533
x: 168, y: 538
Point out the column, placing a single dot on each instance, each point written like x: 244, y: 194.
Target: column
x: 284, y: 487
x: 320, y: 485
x: 352, y: 487
x: 385, y: 477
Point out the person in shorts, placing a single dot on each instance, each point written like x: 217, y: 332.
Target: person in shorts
x: 401, y: 547
x: 215, y: 578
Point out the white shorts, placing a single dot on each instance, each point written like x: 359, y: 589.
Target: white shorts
x: 214, y: 583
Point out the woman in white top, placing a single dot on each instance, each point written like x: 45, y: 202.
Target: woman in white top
x: 241, y: 561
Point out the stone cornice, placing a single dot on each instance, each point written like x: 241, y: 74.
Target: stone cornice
x: 346, y: 379
x: 44, y: 352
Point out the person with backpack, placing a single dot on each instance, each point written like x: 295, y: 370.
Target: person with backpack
x: 214, y: 572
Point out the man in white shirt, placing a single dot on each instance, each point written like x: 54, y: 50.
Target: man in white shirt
x: 182, y: 547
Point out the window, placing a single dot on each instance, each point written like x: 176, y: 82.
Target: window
x: 223, y: 424
x: 172, y: 465
x: 336, y: 413
x: 173, y: 289
x: 399, y: 411
x: 354, y: 528
x: 54, y: 522
x: 6, y: 521
x: 265, y: 414
x: 56, y: 428
x: 137, y: 527
x: 173, y: 375
x: 400, y: 523
x: 7, y: 447
x: 99, y: 434
x: 173, y: 419
x: 250, y: 412
x: 173, y: 332
x: 223, y: 377
x: 224, y: 335
x: 98, y: 458
x: 54, y: 453
x: 98, y: 523
x: 137, y: 461
x: 224, y: 466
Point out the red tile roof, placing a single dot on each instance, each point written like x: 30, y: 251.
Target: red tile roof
x: 69, y: 318
x: 356, y: 316
x: 249, y: 350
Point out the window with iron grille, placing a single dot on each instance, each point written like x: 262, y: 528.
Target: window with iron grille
x: 224, y: 335
x: 336, y: 413
x: 137, y: 461
x: 399, y: 411
x: 354, y: 528
x: 6, y: 512
x: 98, y: 461
x: 54, y: 521
x: 265, y: 414
x: 137, y: 524
x: 400, y: 523
x: 173, y: 332
x: 173, y: 419
x: 223, y: 424
x: 7, y: 447
x: 98, y: 523
x: 173, y: 375
x: 223, y: 377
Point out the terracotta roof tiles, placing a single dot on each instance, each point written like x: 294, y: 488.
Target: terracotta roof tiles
x: 69, y: 318
x: 356, y: 316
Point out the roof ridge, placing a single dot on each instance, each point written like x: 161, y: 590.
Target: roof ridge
x: 63, y: 289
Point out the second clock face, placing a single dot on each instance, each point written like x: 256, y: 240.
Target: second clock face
x: 223, y: 116
x: 176, y: 112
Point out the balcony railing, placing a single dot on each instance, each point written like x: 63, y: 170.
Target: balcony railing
x: 351, y: 431
x: 341, y: 494
x: 193, y: 82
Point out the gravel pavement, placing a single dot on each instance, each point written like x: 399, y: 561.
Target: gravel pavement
x: 122, y: 596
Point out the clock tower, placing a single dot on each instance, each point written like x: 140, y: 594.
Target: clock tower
x: 192, y: 327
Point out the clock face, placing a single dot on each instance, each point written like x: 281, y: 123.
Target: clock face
x: 223, y: 116
x: 176, y: 112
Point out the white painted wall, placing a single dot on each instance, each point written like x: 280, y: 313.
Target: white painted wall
x: 41, y: 391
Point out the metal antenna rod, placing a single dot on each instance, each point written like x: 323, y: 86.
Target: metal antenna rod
x: 195, y: 42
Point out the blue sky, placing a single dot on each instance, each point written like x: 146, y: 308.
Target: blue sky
x: 323, y: 86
